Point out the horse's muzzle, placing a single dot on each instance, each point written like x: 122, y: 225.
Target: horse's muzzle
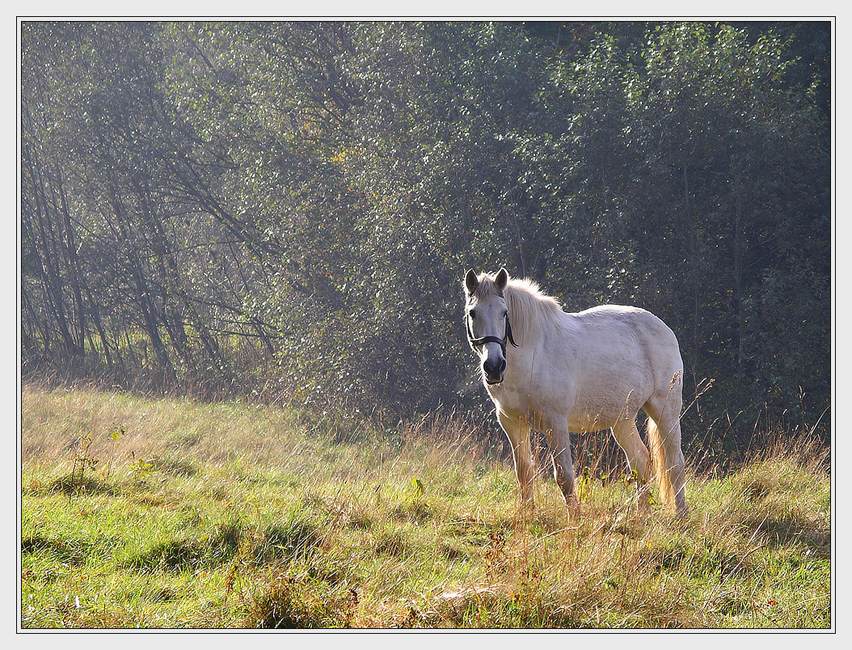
x: 493, y: 370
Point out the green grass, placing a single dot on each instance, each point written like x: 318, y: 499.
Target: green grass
x: 228, y: 515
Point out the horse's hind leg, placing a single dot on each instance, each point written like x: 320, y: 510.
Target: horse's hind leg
x: 559, y: 441
x: 638, y: 458
x: 518, y: 432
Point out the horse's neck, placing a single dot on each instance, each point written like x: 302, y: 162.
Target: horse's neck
x: 540, y: 327
x: 544, y: 341
x: 529, y: 341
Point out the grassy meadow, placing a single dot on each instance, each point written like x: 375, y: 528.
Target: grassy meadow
x: 140, y: 512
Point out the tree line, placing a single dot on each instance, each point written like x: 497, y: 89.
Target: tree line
x: 286, y: 210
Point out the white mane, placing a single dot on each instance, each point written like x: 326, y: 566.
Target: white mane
x: 529, y: 307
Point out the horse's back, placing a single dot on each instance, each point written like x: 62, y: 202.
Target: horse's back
x: 623, y: 351
x: 638, y: 329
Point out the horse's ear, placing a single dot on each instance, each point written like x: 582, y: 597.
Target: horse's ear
x: 502, y: 279
x: 470, y: 281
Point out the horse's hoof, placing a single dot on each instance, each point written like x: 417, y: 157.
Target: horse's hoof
x: 573, y: 509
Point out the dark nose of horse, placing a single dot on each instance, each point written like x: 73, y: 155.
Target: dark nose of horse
x: 494, y: 367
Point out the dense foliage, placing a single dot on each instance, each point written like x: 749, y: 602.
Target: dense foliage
x: 287, y: 209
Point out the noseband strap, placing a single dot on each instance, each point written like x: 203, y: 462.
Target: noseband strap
x: 475, y: 343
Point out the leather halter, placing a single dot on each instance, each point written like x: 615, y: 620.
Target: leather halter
x: 475, y: 343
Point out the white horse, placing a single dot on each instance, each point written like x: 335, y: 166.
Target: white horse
x: 581, y: 372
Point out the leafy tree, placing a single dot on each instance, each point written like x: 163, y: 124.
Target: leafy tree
x: 286, y: 209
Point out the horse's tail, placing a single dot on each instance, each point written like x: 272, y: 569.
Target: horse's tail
x: 662, y: 464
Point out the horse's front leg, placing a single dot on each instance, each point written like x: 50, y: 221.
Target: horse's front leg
x: 518, y: 431
x: 559, y: 441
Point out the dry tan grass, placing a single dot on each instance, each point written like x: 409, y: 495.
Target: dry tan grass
x: 213, y: 433
x: 419, y: 528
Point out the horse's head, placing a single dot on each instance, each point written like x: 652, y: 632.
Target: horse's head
x: 487, y: 321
